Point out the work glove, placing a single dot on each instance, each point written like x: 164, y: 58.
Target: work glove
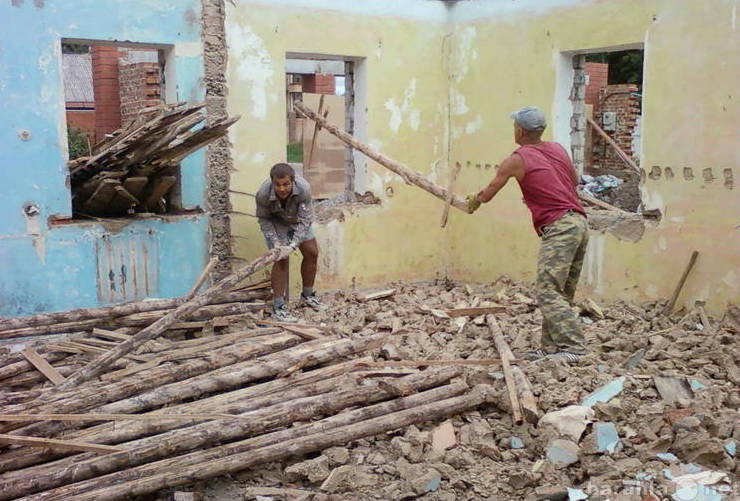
x: 473, y: 203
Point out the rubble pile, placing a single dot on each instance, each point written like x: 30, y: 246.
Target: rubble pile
x: 651, y: 411
x: 390, y: 394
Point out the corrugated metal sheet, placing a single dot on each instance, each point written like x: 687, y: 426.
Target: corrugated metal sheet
x: 77, y: 75
x: 126, y: 267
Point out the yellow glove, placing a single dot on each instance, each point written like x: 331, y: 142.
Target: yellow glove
x: 473, y: 203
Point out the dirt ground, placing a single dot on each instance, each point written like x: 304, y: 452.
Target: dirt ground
x: 680, y: 437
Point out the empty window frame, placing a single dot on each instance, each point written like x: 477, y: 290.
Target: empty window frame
x: 327, y: 87
x: 110, y: 92
x: 607, y: 124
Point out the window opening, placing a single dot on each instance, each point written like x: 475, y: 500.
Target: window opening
x: 326, y: 86
x: 110, y: 93
x: 606, y: 125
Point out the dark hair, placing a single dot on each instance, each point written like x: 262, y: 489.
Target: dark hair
x: 282, y: 170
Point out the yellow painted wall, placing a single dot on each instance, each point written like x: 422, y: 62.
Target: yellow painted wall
x: 458, y: 83
x: 401, y: 239
x: 691, y: 119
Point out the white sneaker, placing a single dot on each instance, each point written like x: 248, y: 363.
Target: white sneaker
x: 313, y: 302
x: 282, y: 314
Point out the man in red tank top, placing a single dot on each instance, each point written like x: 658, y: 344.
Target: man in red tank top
x: 548, y: 182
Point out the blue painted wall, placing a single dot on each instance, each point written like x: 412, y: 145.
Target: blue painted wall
x: 45, y: 268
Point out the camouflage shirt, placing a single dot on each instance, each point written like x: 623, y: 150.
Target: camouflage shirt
x: 297, y: 212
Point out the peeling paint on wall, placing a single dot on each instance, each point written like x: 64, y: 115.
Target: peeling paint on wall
x: 398, y: 112
x: 254, y: 66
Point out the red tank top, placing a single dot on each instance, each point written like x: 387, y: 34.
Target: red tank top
x: 547, y: 185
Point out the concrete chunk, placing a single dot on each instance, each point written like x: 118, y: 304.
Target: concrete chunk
x: 605, y: 393
x: 569, y: 422
x: 607, y: 437
x: 562, y: 453
x: 443, y: 437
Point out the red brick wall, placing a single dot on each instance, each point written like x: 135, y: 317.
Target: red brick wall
x: 140, y: 87
x: 83, y: 119
x: 618, y: 99
x: 105, y: 87
x: 598, y: 76
x: 318, y: 84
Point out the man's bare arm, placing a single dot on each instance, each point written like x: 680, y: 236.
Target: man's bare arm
x: 513, y: 166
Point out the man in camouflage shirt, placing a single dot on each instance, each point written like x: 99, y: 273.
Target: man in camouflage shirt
x: 285, y: 215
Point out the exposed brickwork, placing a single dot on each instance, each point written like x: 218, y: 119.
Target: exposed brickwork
x: 82, y: 119
x: 622, y: 100
x: 140, y: 86
x: 219, y: 160
x: 319, y: 84
x: 598, y: 77
x: 105, y: 87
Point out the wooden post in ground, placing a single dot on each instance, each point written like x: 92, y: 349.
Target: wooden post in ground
x: 408, y: 175
x: 672, y: 302
x: 525, y: 397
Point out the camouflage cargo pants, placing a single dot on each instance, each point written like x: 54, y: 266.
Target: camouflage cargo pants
x: 558, y: 269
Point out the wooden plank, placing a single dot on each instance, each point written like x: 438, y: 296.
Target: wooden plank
x: 202, y: 278
x: 284, y: 325
x: 450, y: 194
x: 672, y: 302
x: 103, y: 195
x: 526, y: 399
x: 135, y: 186
x: 63, y: 445
x: 108, y: 334
x: 160, y: 187
x: 309, y: 333
x: 376, y: 295
x: 705, y: 320
x: 434, y: 363
x: 316, y: 130
x: 475, y: 312
x: 620, y: 153
x: 42, y: 365
x: 84, y: 418
x: 599, y: 203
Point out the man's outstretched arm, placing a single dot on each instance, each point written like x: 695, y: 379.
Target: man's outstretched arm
x: 513, y: 166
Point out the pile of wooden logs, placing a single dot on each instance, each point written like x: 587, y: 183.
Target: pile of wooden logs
x: 135, y: 169
x: 174, y: 402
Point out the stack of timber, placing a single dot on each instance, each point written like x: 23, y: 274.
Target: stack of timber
x: 197, y: 401
x: 135, y: 169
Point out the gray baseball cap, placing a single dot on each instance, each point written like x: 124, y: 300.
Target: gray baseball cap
x: 530, y: 118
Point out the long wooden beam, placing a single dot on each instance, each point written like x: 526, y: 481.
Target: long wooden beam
x: 408, y: 175
x: 66, y: 445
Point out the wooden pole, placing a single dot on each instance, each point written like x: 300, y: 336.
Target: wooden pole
x: 199, y: 465
x: 201, y: 436
x: 182, y: 312
x: 202, y: 277
x: 620, y: 153
x: 316, y: 129
x: 110, y: 312
x: 672, y: 302
x: 94, y: 395
x: 527, y: 401
x: 504, y: 354
x: 408, y: 175
x: 49, y: 443
x: 450, y: 194
x: 255, y: 396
